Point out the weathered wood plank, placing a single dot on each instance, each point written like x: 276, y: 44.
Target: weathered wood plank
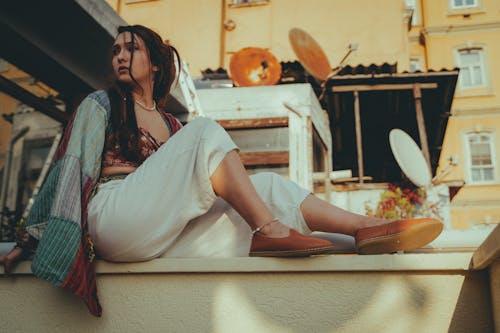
x: 422, y: 133
x: 488, y: 252
x: 265, y: 158
x: 359, y: 139
x: 254, y: 123
x: 377, y: 87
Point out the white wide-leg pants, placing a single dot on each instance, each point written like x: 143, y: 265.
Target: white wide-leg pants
x: 167, y: 207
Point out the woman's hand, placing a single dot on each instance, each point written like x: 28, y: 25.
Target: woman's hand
x: 9, y: 260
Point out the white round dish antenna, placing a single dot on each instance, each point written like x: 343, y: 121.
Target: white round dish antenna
x: 410, y: 158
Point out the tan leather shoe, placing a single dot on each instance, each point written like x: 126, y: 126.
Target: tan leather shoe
x: 401, y: 235
x: 294, y: 245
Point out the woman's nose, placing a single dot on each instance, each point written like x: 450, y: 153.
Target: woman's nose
x: 121, y: 56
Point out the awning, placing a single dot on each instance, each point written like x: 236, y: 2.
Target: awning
x: 62, y: 43
x: 386, y: 101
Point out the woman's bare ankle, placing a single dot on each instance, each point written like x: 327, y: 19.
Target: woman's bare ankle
x: 276, y: 229
x: 369, y: 221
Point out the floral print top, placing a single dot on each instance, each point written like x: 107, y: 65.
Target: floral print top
x: 147, y: 144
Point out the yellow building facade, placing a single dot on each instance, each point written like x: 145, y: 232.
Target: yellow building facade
x: 466, y: 34
x: 207, y: 32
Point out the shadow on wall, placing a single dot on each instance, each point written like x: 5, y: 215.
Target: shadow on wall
x: 344, y: 303
x: 257, y: 302
x: 379, y: 302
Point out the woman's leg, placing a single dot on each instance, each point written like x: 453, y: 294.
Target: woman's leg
x: 322, y: 216
x: 222, y: 231
x: 231, y: 182
x: 372, y: 235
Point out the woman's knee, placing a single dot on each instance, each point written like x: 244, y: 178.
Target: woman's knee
x: 214, y: 135
x: 202, y: 124
x: 265, y: 176
x: 266, y: 181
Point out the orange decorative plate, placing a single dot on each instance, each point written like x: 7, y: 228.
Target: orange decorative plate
x: 253, y: 66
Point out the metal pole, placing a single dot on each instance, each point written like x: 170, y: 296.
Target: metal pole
x: 359, y: 141
x: 417, y: 94
x: 6, y: 177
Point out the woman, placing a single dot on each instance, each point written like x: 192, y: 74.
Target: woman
x: 150, y: 188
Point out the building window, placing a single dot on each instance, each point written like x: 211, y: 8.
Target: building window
x: 481, y: 161
x: 413, y: 5
x: 245, y: 3
x: 471, y: 63
x: 456, y: 4
x: 416, y: 65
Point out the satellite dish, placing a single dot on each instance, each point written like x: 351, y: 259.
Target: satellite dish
x: 310, y: 54
x: 253, y: 66
x: 410, y: 158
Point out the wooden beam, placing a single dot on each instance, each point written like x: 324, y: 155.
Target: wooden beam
x: 326, y: 166
x: 253, y: 123
x: 417, y: 94
x: 359, y: 141
x: 26, y: 97
x: 320, y: 177
x: 265, y: 158
x: 378, y: 87
x: 488, y: 251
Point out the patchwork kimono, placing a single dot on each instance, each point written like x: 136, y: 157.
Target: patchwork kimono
x: 58, y: 218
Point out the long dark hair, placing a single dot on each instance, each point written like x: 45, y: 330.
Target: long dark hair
x: 123, y: 121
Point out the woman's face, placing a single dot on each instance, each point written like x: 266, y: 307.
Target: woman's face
x: 140, y: 66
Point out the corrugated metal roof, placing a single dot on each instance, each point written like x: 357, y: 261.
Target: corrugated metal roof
x: 384, y: 68
x: 215, y: 74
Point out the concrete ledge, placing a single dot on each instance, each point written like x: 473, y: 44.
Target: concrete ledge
x: 337, y: 293
x: 421, y: 292
x: 325, y: 263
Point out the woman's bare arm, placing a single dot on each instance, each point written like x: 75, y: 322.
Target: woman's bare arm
x: 10, y: 259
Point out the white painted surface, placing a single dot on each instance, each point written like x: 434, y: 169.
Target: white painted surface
x: 295, y: 101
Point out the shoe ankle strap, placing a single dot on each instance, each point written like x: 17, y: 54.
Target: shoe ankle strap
x: 256, y: 230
